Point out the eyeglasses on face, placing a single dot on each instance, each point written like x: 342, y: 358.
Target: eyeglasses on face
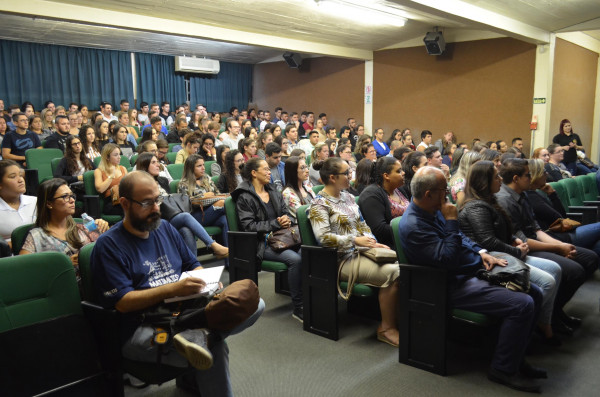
x: 148, y: 203
x: 66, y: 197
x: 346, y: 173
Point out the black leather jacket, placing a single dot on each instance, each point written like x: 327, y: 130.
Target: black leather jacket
x: 252, y: 212
x: 482, y: 223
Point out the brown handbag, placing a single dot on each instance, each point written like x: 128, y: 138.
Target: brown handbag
x: 284, y: 239
x: 230, y: 307
x: 562, y: 225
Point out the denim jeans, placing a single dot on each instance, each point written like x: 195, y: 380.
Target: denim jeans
x: 213, y: 217
x: 587, y: 236
x: 293, y: 260
x: 185, y: 219
x: 546, y: 274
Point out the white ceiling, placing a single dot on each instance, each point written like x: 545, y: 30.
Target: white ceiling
x: 274, y: 26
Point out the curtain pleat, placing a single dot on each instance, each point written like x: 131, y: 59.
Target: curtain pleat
x: 157, y: 81
x: 231, y: 87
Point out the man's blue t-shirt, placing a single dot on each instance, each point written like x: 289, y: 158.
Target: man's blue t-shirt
x: 122, y: 262
x: 18, y: 144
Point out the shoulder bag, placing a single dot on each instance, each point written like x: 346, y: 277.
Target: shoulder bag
x: 174, y: 204
x: 284, y: 239
x: 514, y: 276
x: 562, y: 225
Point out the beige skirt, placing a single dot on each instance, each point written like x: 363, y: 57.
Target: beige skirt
x: 369, y: 272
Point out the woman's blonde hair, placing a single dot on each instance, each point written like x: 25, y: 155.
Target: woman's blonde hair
x: 317, y: 149
x: 536, y: 169
x: 105, y: 164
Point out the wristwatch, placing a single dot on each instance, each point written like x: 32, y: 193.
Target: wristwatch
x: 482, y: 251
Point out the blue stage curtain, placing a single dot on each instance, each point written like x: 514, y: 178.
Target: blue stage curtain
x: 40, y: 72
x: 157, y: 81
x: 231, y: 87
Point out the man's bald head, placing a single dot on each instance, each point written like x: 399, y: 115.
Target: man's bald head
x: 426, y: 178
x: 134, y: 179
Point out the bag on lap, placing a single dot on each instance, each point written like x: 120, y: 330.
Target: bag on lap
x: 514, y: 276
x: 284, y: 239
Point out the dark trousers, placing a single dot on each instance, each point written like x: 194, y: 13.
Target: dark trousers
x: 574, y: 272
x: 293, y: 261
x: 518, y: 312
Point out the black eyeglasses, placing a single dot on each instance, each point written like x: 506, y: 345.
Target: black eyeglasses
x: 66, y: 197
x: 148, y: 203
x: 347, y: 173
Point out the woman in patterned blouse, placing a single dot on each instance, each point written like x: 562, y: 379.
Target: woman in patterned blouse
x: 337, y: 222
x: 297, y: 190
x: 196, y: 184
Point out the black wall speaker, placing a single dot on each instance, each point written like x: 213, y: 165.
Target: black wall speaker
x: 293, y: 60
x: 434, y: 43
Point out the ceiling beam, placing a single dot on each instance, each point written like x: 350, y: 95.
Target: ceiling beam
x: 129, y: 21
x: 486, y: 20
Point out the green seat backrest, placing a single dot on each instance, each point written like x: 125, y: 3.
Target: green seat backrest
x: 35, y: 288
x: 207, y: 165
x: 89, y: 184
x: 176, y: 170
x: 317, y: 188
x: 399, y: 251
x: 574, y: 193
x: 172, y: 157
x: 172, y: 145
x: 41, y: 159
x: 308, y: 160
x: 139, y: 139
x: 18, y: 236
x: 97, y: 161
x: 588, y: 186
x: 134, y: 159
x: 231, y: 214
x: 125, y: 162
x: 174, y: 185
x: 215, y: 179
x: 562, y: 193
x: 306, y: 232
x: 85, y: 254
x: 54, y: 165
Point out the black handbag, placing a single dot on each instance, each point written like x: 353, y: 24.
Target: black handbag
x: 175, y: 204
x: 514, y: 276
x: 284, y: 239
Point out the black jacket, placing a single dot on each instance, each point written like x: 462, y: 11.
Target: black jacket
x: 56, y: 141
x: 252, y: 212
x: 486, y: 226
x: 546, y: 212
x: 61, y: 170
x: 376, y: 210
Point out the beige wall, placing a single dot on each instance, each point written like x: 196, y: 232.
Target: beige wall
x: 573, y: 90
x: 327, y: 85
x: 480, y: 89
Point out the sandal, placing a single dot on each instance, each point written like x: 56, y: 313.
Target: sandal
x: 382, y: 338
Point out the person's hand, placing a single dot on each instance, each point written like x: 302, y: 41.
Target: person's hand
x: 102, y: 225
x: 80, y: 178
x: 75, y: 259
x: 445, y: 169
x: 548, y: 189
x: 208, y: 194
x: 365, y: 241
x: 188, y: 286
x: 284, y: 221
x: 517, y: 242
x: 489, y: 261
x: 567, y: 250
x: 571, y: 144
x: 524, y: 247
x: 449, y: 211
x: 379, y: 245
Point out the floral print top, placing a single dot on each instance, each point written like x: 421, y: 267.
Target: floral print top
x: 456, y: 186
x: 292, y: 201
x: 336, y: 222
x: 206, y: 186
x: 398, y: 208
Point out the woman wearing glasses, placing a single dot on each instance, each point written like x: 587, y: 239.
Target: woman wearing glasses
x: 73, y: 165
x: 55, y: 229
x: 337, y: 223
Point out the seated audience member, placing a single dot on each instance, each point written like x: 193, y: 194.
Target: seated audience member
x: 156, y: 124
x: 485, y: 222
x: 195, y: 123
x: 178, y: 130
x: 3, y: 131
x: 575, y: 262
x: 149, y: 134
x: 401, y: 153
x: 55, y: 229
x: 261, y: 208
x: 492, y: 145
x: 308, y: 144
x: 298, y: 190
x: 151, y: 147
x: 263, y: 139
x: 299, y: 153
x: 282, y: 141
x: 74, y: 163
x: 218, y: 166
x: 456, y: 157
x: 381, y: 201
x: 337, y: 223
x: 445, y: 142
x: 449, y: 152
x: 493, y: 156
x: 407, y: 141
x: 196, y: 184
x: 541, y: 153
x: 426, y: 138
x: 345, y: 153
x: 17, y: 142
x: 358, y: 147
x: 547, y: 212
x: 367, y: 151
x: 517, y: 144
x: 119, y: 137
x: 162, y: 148
x: 48, y: 122
x: 430, y: 236
x: 554, y: 166
x: 191, y: 144
x: 515, y: 152
x: 107, y: 177
x: 16, y: 208
x: 459, y: 179
x: 395, y: 136
x: 247, y: 147
x: 434, y: 159
x: 87, y: 135
x: 102, y: 135
x: 275, y: 130
x: 364, y: 176
x: 134, y: 267
x: 233, y: 134
x: 411, y: 164
x: 230, y: 179
x: 207, y: 147
x: 59, y: 138
x: 273, y: 159
x: 379, y: 144
x: 132, y: 135
x: 35, y: 125
x: 250, y: 132
x: 502, y: 146
x: 480, y: 147
x: 320, y: 153
x: 179, y: 219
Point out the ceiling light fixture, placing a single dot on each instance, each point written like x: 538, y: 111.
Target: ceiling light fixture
x: 360, y: 11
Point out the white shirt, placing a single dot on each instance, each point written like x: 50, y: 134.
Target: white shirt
x: 233, y: 144
x: 305, y: 145
x: 11, y: 218
x: 109, y: 119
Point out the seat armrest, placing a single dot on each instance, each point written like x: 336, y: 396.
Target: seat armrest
x: 592, y: 203
x: 590, y: 214
x: 31, y: 181
x: 106, y: 324
x: 576, y: 216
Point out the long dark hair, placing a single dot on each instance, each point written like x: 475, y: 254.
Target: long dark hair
x: 219, y: 156
x: 364, y: 172
x: 99, y: 136
x: 72, y: 166
x: 46, y: 193
x: 230, y: 170
x: 84, y: 142
x: 143, y: 162
x: 291, y: 175
x: 251, y: 165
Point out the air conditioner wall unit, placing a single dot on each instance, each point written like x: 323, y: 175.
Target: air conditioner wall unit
x: 197, y: 65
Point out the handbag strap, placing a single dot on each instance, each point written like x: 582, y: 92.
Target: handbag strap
x: 352, y: 277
